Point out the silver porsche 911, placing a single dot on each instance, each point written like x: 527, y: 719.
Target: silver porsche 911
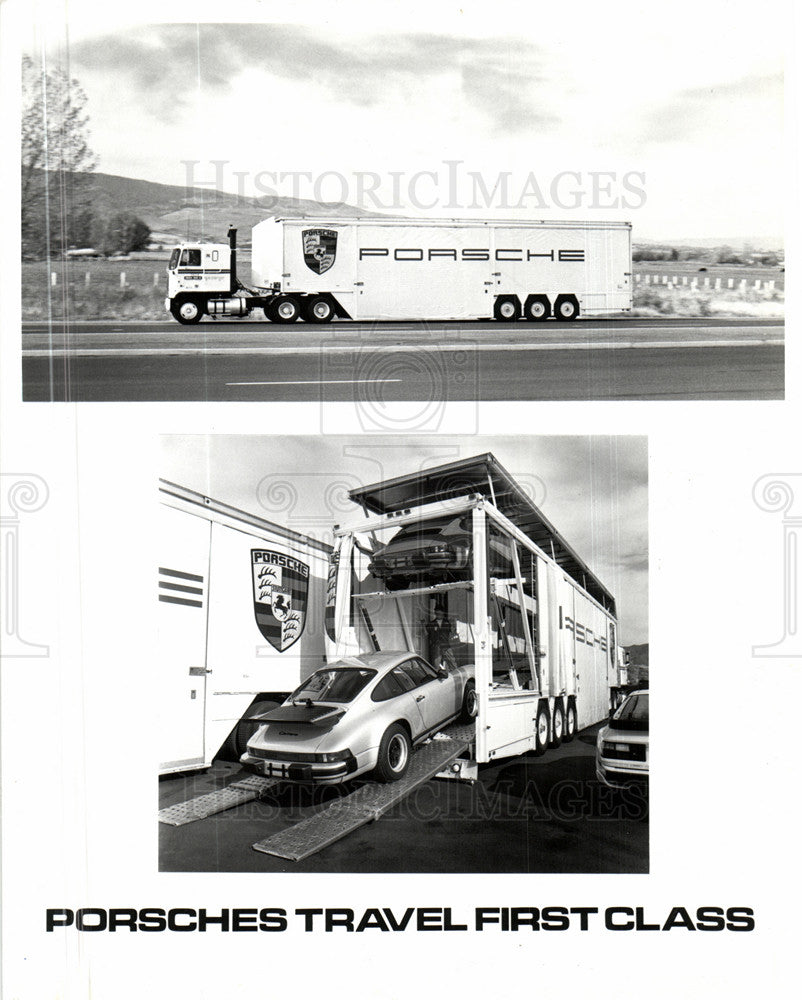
x: 361, y: 713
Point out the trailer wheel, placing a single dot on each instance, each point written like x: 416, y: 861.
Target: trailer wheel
x: 507, y: 308
x: 566, y: 307
x: 318, y: 309
x: 542, y: 728
x: 237, y: 740
x: 284, y: 309
x: 394, y: 752
x: 187, y: 311
x: 537, y: 308
x: 470, y: 703
x: 557, y: 725
x: 570, y: 722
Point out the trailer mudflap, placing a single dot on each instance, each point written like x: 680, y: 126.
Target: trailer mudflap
x: 238, y: 792
x: 367, y: 803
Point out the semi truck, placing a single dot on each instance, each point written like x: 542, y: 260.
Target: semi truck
x: 321, y: 269
x: 458, y: 565
x: 240, y: 623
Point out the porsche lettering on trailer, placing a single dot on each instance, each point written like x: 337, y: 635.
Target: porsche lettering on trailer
x: 468, y: 253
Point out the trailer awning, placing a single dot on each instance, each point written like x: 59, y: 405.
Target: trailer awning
x: 483, y: 475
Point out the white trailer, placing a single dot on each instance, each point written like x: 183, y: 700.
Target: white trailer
x: 318, y: 269
x: 538, y: 626
x: 241, y: 606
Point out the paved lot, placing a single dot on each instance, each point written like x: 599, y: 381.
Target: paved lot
x: 525, y: 814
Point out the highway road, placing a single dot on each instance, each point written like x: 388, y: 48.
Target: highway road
x: 380, y: 363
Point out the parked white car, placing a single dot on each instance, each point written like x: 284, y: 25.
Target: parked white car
x: 622, y: 746
x: 361, y: 713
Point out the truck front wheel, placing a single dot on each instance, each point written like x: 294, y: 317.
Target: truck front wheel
x: 187, y: 311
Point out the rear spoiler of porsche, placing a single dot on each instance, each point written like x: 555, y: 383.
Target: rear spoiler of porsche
x: 315, y: 715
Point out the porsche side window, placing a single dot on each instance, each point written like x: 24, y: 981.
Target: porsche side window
x: 388, y: 687
x: 416, y: 672
x: 429, y: 673
x: 405, y: 681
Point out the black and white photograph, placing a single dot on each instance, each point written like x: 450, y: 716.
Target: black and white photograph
x: 428, y: 649
x: 222, y: 211
x: 400, y: 499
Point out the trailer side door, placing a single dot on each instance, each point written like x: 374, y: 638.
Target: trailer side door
x: 183, y: 613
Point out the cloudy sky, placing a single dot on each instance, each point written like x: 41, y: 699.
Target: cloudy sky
x: 592, y: 489
x: 689, y: 96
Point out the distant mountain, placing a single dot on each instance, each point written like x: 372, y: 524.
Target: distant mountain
x: 200, y: 213
x: 714, y: 243
x: 638, y: 668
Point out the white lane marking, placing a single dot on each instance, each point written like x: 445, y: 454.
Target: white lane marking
x: 119, y: 352
x: 320, y: 381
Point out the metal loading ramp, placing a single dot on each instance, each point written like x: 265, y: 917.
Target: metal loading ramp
x: 238, y: 792
x: 367, y: 803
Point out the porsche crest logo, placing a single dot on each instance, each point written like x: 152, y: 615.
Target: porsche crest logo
x: 320, y: 249
x: 280, y: 592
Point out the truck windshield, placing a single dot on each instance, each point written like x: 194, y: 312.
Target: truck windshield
x: 338, y: 685
x: 174, y: 259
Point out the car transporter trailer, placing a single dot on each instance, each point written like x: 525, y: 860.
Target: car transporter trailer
x: 535, y: 622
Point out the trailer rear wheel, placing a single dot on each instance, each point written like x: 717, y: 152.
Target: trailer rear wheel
x: 284, y: 309
x: 557, y: 724
x: 394, y: 752
x: 318, y: 309
x: 537, y: 308
x: 570, y: 722
x: 507, y: 308
x: 566, y: 307
x: 187, y: 311
x: 542, y: 728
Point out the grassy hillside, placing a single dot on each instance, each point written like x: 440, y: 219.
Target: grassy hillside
x: 196, y: 213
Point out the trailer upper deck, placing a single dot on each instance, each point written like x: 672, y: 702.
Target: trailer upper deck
x: 483, y: 475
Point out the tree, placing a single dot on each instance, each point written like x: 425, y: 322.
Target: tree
x: 57, y: 161
x: 122, y: 233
